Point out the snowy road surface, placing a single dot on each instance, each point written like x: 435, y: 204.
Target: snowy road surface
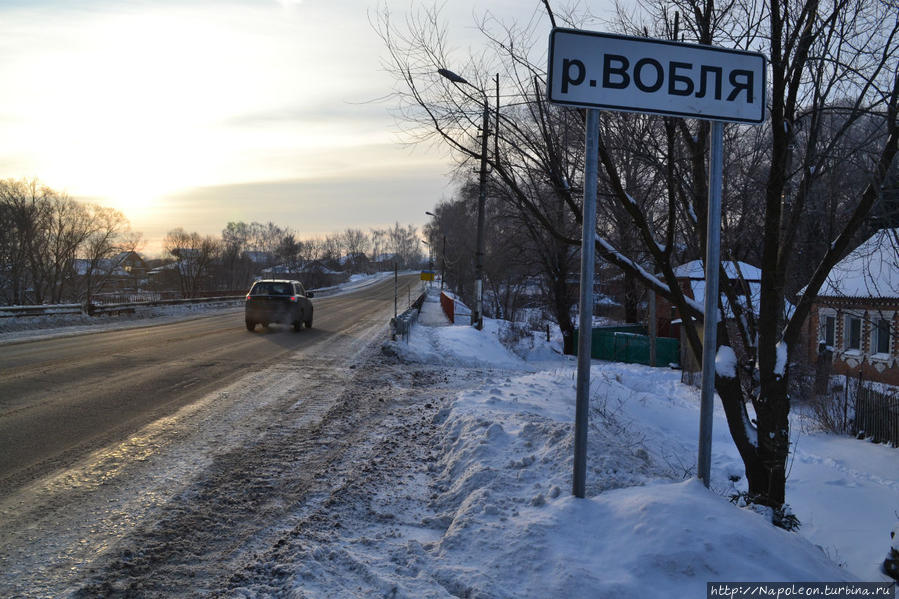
x: 230, y: 445
x: 62, y: 398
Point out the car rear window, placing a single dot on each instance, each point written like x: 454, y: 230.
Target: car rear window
x: 272, y: 289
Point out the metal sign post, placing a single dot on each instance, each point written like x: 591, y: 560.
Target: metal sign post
x: 596, y: 70
x: 710, y: 319
x: 585, y: 330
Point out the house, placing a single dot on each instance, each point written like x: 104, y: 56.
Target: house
x: 356, y: 262
x: 313, y: 274
x: 855, y: 317
x: 124, y: 271
x: 691, y: 280
x: 132, y: 263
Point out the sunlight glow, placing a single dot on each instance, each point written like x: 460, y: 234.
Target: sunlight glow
x: 146, y: 104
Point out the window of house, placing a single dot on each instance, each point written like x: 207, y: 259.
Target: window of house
x: 830, y: 327
x: 882, y: 336
x: 853, y: 335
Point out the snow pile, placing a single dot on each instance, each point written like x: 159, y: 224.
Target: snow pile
x: 458, y: 346
x: 726, y: 362
x: 500, y: 490
x: 669, y: 539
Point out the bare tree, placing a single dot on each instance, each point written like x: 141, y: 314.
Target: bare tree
x: 24, y: 207
x: 52, y: 247
x: 237, y: 268
x: 332, y: 249
x: 109, y: 236
x: 194, y: 256
x: 378, y: 244
x: 356, y: 243
x: 290, y: 253
x: 839, y: 57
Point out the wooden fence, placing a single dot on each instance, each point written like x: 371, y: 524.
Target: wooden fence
x: 876, y: 416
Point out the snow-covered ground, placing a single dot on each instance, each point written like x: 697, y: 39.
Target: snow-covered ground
x: 503, y: 485
x: 463, y: 489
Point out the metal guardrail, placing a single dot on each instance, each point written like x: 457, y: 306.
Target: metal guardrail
x: 403, y: 323
x: 125, y: 307
x: 97, y: 309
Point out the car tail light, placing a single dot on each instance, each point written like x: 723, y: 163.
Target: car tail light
x: 248, y: 297
x: 293, y: 298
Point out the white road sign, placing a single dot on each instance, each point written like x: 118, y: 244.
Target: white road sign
x: 616, y: 72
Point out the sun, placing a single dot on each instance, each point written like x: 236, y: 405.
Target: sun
x: 134, y: 111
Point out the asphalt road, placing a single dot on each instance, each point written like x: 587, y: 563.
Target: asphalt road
x: 63, y: 398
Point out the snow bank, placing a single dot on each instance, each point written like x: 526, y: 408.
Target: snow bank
x: 458, y: 346
x: 513, y: 529
x: 667, y: 539
x: 510, y: 528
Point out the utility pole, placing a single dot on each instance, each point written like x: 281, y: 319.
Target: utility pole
x: 478, y: 316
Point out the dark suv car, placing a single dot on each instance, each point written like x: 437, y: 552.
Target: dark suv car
x: 278, y: 300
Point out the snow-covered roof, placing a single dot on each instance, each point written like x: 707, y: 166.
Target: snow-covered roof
x: 694, y: 273
x: 694, y: 270
x: 258, y: 257
x: 105, y: 266
x: 352, y: 258
x: 870, y: 270
x: 280, y: 269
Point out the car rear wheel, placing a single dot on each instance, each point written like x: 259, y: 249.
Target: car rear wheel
x: 297, y: 325
x: 251, y: 326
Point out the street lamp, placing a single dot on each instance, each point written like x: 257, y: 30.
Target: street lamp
x: 430, y: 255
x: 443, y: 255
x: 477, y: 316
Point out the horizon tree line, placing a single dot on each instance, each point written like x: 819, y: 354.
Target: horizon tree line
x: 55, y: 249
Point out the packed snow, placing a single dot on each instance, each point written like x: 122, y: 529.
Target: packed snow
x: 476, y: 501
x: 512, y: 529
x: 726, y: 362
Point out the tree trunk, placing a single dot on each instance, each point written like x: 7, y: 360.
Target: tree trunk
x: 764, y: 447
x: 567, y: 337
x: 631, y: 298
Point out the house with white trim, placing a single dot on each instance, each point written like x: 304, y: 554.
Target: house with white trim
x: 855, y: 317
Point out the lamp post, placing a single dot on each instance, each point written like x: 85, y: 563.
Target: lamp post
x: 442, y: 255
x: 430, y: 260
x: 477, y: 317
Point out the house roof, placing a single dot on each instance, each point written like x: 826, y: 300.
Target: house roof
x: 105, y: 266
x: 694, y: 270
x: 694, y: 273
x: 258, y: 257
x: 870, y: 271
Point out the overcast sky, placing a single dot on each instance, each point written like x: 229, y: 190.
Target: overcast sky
x: 194, y: 113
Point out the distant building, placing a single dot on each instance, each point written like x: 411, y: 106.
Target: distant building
x: 855, y: 317
x: 125, y: 270
x: 312, y: 274
x: 691, y: 280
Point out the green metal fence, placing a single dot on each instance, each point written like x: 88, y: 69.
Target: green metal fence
x: 630, y: 344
